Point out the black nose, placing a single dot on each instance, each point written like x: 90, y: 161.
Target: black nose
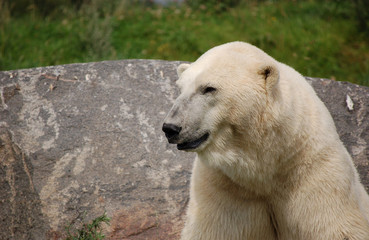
x: 171, y: 130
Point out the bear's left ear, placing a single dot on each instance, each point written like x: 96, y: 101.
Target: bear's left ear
x: 270, y: 74
x: 181, y: 68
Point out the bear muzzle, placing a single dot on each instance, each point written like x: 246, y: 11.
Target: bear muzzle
x: 190, y: 145
x: 171, y: 131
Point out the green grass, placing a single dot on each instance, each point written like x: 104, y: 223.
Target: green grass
x: 88, y: 231
x: 318, y: 38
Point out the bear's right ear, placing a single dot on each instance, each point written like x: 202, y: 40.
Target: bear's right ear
x: 270, y: 75
x: 181, y: 68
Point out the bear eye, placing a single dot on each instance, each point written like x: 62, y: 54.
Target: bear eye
x: 208, y: 90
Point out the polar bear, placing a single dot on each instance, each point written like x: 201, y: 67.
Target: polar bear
x: 270, y: 164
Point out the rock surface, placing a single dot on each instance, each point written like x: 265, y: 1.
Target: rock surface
x: 87, y: 138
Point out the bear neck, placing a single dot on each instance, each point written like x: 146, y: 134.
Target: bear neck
x: 255, y: 160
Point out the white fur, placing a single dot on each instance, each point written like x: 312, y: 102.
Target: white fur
x: 273, y: 166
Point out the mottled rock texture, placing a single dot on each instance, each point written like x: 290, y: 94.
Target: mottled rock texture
x: 80, y: 139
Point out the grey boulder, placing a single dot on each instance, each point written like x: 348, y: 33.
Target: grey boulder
x: 78, y: 140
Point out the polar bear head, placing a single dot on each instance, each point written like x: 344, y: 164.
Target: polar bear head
x: 224, y: 94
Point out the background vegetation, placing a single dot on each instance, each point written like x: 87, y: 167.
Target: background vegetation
x: 319, y: 38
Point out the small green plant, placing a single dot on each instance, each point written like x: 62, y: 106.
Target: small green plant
x: 88, y: 231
